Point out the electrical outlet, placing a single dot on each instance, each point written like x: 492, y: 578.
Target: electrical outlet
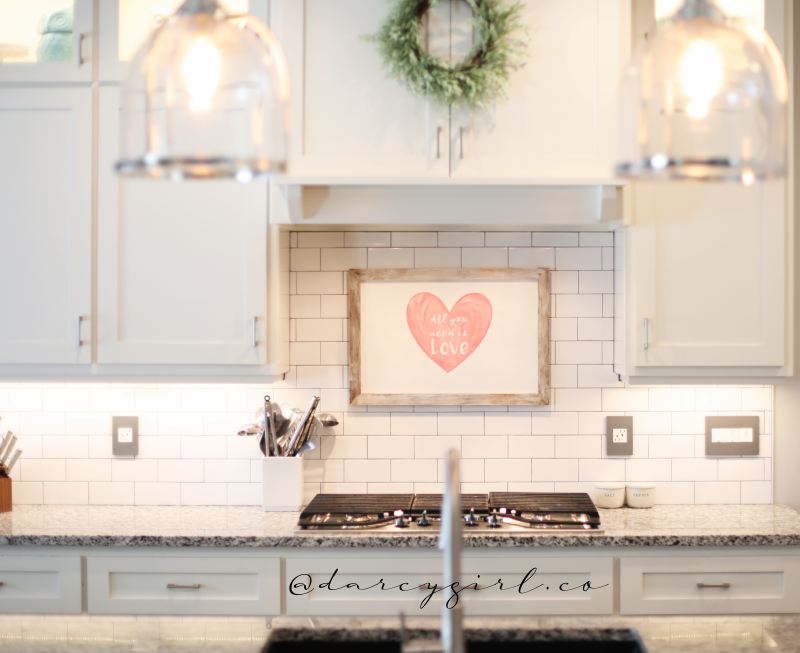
x: 619, y: 435
x: 124, y: 436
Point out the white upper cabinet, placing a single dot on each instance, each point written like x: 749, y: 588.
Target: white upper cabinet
x: 350, y: 119
x: 708, y: 278
x: 45, y: 226
x: 560, y: 120
x: 182, y: 267
x: 46, y: 41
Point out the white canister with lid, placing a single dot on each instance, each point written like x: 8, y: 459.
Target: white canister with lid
x: 641, y: 495
x: 609, y: 495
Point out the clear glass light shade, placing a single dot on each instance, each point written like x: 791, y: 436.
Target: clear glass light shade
x: 205, y: 96
x: 705, y: 100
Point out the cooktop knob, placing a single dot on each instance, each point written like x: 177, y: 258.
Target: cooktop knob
x: 492, y: 520
x: 424, y: 521
x: 400, y: 521
x: 471, y: 519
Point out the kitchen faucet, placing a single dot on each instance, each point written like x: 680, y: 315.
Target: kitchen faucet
x: 451, y: 639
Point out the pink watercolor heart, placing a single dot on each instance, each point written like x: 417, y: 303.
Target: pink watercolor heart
x: 448, y: 338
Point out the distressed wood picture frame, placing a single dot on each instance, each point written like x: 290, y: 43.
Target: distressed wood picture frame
x: 403, y: 336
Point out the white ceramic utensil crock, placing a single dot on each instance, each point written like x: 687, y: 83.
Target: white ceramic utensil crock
x: 281, y: 483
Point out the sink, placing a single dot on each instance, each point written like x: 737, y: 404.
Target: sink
x: 511, y: 641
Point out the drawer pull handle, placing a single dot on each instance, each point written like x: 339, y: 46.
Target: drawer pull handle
x: 173, y: 586
x: 703, y: 586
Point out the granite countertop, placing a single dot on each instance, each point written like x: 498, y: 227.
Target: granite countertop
x: 242, y: 526
x: 122, y: 634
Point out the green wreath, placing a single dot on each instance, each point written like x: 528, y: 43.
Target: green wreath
x: 476, y: 80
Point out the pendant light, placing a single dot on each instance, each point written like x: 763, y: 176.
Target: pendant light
x: 205, y: 96
x: 705, y: 100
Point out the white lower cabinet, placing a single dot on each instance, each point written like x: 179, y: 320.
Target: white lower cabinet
x: 505, y: 586
x: 179, y: 586
x: 700, y: 585
x: 40, y: 584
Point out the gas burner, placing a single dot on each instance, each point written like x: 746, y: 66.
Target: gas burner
x: 512, y: 512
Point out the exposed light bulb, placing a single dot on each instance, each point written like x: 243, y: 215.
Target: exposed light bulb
x: 700, y: 76
x: 748, y: 178
x: 202, y: 69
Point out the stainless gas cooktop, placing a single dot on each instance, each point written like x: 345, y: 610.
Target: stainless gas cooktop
x: 495, y: 512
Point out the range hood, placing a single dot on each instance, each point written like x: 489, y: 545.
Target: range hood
x: 369, y: 201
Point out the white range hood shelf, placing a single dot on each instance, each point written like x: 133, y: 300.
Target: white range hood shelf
x: 363, y: 201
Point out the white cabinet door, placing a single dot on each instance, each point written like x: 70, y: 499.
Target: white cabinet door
x: 182, y: 267
x: 348, y: 117
x: 19, y: 39
x: 125, y: 24
x: 45, y: 225
x: 708, y: 273
x: 561, y: 116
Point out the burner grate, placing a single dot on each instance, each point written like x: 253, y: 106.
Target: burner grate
x: 359, y: 503
x: 433, y: 502
x: 543, y: 502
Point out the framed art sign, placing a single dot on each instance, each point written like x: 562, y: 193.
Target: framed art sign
x: 447, y: 337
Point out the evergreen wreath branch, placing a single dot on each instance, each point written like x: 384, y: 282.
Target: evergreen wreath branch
x: 475, y: 81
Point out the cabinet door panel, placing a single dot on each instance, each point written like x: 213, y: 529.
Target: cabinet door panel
x: 710, y: 268
x: 181, y: 266
x: 348, y: 117
x: 18, y: 29
x: 45, y: 225
x: 560, y: 118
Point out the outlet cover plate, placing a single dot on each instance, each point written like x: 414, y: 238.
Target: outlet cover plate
x: 619, y: 438
x: 124, y: 436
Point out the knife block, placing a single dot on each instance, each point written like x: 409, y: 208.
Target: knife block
x: 282, y: 483
x: 5, y: 494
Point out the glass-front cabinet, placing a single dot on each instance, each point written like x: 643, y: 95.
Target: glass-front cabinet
x: 125, y: 24
x: 46, y: 41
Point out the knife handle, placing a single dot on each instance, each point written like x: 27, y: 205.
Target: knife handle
x: 8, y: 449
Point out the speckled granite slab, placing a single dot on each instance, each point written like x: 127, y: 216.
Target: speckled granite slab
x: 240, y: 526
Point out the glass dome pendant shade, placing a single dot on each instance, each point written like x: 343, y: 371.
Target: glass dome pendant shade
x: 205, y: 96
x: 705, y: 100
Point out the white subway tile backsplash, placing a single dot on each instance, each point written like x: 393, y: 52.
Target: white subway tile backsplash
x: 531, y: 257
x: 578, y: 306
x: 189, y: 453
x: 367, y: 239
x: 461, y: 239
x: 394, y: 257
x: 414, y: 239
x: 433, y: 257
x: 65, y: 493
x: 484, y: 257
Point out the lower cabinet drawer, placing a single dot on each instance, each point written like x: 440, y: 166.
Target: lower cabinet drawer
x: 727, y: 585
x: 223, y: 586
x: 385, y: 586
x: 40, y: 584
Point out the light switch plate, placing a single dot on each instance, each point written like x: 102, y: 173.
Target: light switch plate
x: 732, y: 435
x: 619, y: 439
x: 124, y: 436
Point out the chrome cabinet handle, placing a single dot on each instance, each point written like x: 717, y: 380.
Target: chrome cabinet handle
x: 81, y: 60
x: 461, y: 142
x: 173, y: 586
x: 438, y: 142
x: 255, y: 328
x: 646, y: 333
x: 79, y: 342
x: 703, y: 586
